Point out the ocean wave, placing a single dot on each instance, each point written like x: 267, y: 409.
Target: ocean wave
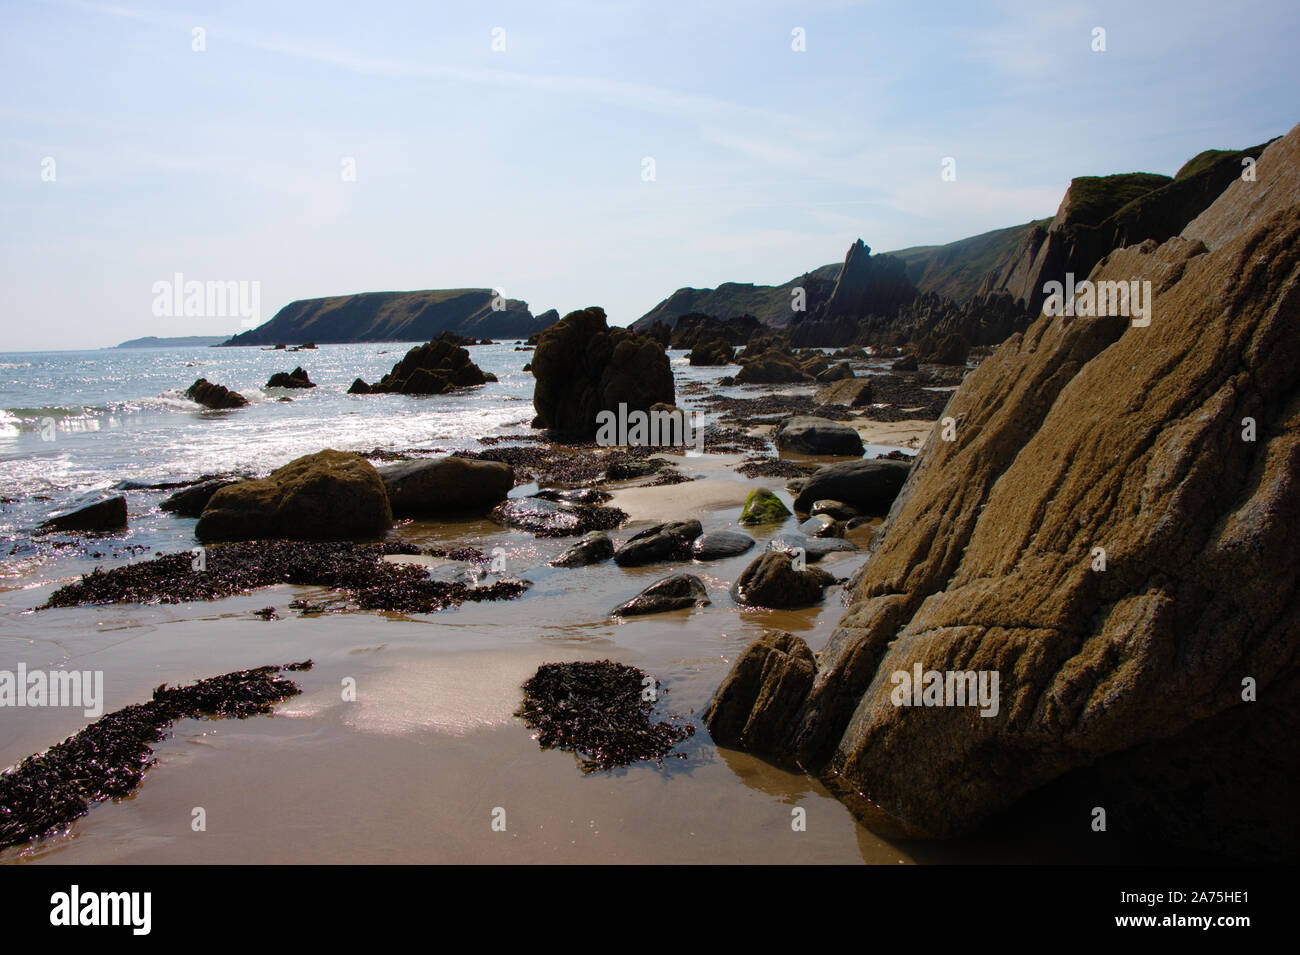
x: 173, y: 398
x: 53, y: 411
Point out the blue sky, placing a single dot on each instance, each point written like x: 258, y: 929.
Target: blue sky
x: 522, y: 168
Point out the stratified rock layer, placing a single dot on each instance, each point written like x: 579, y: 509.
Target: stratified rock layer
x: 1112, y: 533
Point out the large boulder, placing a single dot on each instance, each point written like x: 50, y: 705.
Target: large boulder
x: 771, y: 368
x: 215, y: 397
x: 765, y: 689
x: 445, y: 485
x: 868, y: 484
x: 1112, y: 535
x: 660, y: 542
x: 330, y: 495
x: 677, y: 592
x: 584, y: 367
x: 434, y: 368
x: 773, y: 580
x: 805, y: 434
x: 94, y: 512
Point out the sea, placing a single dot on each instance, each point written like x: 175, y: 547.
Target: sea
x: 73, y: 422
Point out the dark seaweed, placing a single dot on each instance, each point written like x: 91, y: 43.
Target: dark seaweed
x: 774, y: 467
x: 356, y: 569
x: 108, y: 759
x: 596, y: 711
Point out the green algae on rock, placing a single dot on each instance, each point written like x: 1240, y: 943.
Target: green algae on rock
x: 763, y: 507
x: 600, y: 712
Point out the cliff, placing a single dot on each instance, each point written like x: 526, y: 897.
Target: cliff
x: 1111, y: 533
x: 395, y: 316
x: 894, y: 298
x: 770, y: 304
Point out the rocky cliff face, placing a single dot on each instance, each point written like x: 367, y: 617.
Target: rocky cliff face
x: 1101, y: 213
x: 958, y: 270
x: 868, y: 285
x: 770, y: 304
x: 1112, y: 533
x: 398, y: 317
x: 996, y: 277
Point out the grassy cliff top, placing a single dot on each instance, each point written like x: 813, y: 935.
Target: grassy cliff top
x: 1093, y: 199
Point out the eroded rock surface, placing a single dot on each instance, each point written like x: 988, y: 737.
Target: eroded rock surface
x: 584, y: 367
x: 1088, y: 439
x: 330, y: 495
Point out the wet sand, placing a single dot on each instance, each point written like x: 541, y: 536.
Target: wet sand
x: 909, y: 434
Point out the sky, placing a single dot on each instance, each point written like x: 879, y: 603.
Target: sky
x: 571, y: 153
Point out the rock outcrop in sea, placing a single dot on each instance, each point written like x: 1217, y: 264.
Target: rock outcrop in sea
x: 215, y: 397
x: 95, y: 512
x: 584, y: 367
x: 297, y: 378
x: 434, y: 368
x: 715, y: 351
x: 1111, y: 532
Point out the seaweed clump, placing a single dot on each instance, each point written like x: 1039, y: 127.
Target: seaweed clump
x: 599, y: 712
x: 761, y: 466
x: 108, y: 759
x: 358, y: 570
